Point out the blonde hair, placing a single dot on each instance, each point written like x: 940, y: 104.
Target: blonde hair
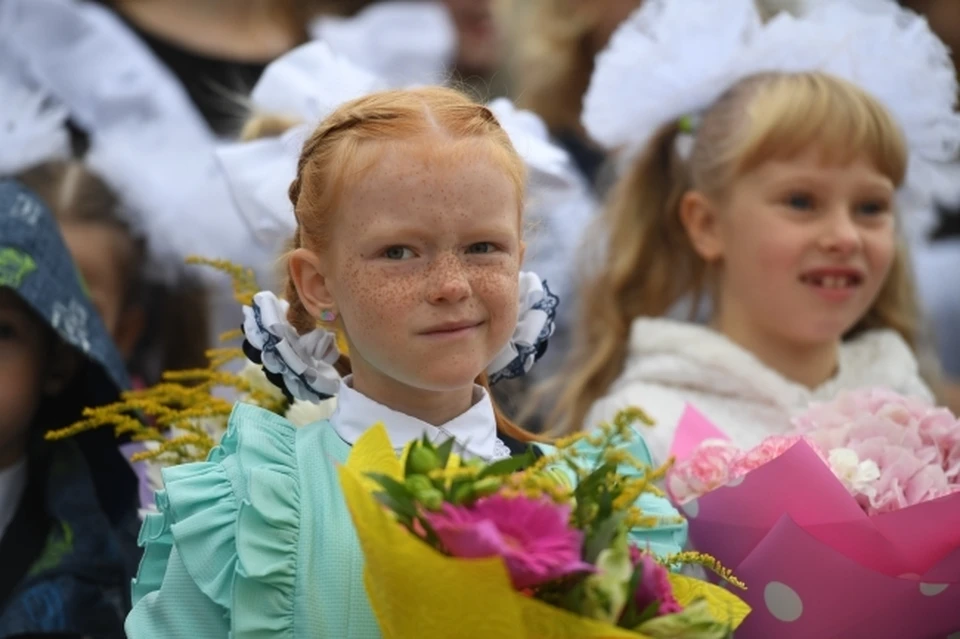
x: 651, y: 264
x: 336, y: 153
x: 554, y: 57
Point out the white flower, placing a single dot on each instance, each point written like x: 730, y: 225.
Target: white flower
x: 253, y: 374
x: 302, y: 413
x: 858, y: 476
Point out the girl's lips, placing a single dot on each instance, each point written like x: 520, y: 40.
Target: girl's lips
x: 833, y: 285
x: 833, y: 279
x: 452, y: 329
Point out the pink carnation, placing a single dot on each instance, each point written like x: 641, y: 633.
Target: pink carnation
x: 532, y: 536
x: 768, y: 450
x: 708, y: 468
x: 718, y: 462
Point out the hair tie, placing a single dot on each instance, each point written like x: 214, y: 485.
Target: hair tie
x: 689, y: 124
x: 302, y: 366
x: 535, y: 325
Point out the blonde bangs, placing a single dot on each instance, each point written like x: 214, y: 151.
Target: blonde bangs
x: 791, y: 112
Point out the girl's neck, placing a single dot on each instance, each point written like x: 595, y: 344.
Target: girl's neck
x: 808, y: 364
x: 433, y: 407
x: 240, y: 30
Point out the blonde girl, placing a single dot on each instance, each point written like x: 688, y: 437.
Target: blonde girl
x: 774, y: 202
x: 408, y: 239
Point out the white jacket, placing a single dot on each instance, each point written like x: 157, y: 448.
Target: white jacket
x: 670, y: 364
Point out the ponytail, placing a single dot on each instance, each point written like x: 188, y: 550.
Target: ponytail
x: 650, y: 264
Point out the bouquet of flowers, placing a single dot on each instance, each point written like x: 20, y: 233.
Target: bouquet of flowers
x: 523, y: 547
x: 849, y: 524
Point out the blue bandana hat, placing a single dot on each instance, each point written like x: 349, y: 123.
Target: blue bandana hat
x: 36, y: 264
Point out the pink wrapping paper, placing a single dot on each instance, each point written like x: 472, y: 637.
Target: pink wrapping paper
x: 816, y: 566
x: 692, y: 429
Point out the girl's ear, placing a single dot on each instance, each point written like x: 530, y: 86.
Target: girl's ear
x: 63, y: 366
x: 310, y: 278
x: 699, y: 218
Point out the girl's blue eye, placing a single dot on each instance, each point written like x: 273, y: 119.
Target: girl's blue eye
x: 398, y: 253
x: 800, y: 201
x: 482, y: 247
x: 876, y: 207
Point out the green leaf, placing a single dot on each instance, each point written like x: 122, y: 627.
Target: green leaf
x: 406, y: 511
x: 631, y: 616
x: 508, y: 466
x: 649, y: 613
x: 403, y: 500
x: 443, y: 452
x: 601, y: 537
x: 591, y: 482
x: 460, y: 490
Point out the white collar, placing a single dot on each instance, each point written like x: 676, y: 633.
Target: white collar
x: 13, y: 481
x: 475, y: 430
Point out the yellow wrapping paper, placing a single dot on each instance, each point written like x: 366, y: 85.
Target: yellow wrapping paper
x: 416, y: 591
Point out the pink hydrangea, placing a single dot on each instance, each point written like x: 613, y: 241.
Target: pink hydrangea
x: 915, y: 445
x: 532, y: 536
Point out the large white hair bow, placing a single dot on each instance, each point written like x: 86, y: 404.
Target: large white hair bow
x: 674, y: 58
x: 307, y: 85
x: 78, y: 60
x: 33, y: 125
x: 405, y: 43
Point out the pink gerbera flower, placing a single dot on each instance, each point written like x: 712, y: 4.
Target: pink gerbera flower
x: 532, y: 536
x: 654, y: 585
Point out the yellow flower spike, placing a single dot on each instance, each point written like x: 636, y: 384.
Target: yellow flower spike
x: 597, y: 440
x: 230, y: 336
x: 707, y: 561
x: 626, y: 418
x: 244, y: 281
x: 568, y: 440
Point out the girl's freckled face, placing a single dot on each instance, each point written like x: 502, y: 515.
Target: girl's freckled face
x: 424, y: 260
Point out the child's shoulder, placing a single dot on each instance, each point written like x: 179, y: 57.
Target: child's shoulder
x: 252, y: 430
x: 227, y: 515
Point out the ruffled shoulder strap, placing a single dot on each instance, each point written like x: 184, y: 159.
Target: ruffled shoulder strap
x: 234, y: 520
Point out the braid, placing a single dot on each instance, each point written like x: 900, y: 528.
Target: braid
x: 298, y: 315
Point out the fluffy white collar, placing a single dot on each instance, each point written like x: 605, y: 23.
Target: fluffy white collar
x: 694, y: 357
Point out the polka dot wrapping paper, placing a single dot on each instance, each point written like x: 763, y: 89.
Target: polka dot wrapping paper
x: 816, y: 565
